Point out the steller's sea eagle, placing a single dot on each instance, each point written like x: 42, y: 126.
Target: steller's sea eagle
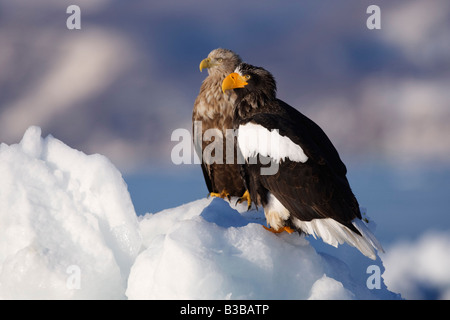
x: 213, y: 109
x: 306, y: 189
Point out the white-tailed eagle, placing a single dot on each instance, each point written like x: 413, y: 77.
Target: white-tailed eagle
x: 213, y: 110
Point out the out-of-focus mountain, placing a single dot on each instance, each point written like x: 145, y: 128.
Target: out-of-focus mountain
x: 129, y: 77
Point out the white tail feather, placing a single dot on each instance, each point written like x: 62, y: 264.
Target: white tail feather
x: 334, y: 233
x: 331, y: 231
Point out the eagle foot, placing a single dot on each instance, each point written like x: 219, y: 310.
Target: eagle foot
x: 280, y: 230
x: 245, y: 197
x: 224, y: 194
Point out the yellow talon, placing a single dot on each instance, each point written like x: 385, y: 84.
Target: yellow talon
x: 224, y: 194
x: 245, y: 197
x: 280, y: 230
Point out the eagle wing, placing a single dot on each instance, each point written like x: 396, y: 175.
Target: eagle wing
x: 313, y: 136
x: 312, y: 189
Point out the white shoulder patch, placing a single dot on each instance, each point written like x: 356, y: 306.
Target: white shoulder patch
x: 254, y: 139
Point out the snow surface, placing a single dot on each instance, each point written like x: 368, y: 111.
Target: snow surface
x: 69, y: 231
x: 207, y: 250
x: 62, y: 211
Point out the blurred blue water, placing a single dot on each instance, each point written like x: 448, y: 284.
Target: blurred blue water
x: 404, y: 203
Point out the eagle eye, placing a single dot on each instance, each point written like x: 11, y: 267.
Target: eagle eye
x: 220, y: 60
x: 247, y: 77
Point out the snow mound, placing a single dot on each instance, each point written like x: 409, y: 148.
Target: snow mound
x: 68, y: 230
x: 68, y: 227
x: 207, y: 249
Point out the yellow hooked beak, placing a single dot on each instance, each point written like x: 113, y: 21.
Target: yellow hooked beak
x: 232, y: 81
x: 205, y: 64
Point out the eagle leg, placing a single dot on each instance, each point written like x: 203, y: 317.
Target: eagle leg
x: 280, y: 230
x: 224, y: 194
x: 245, y: 197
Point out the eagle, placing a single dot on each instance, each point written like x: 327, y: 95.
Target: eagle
x: 291, y: 167
x: 212, y: 119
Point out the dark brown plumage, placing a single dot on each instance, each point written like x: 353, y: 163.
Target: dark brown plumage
x: 308, y: 191
x: 213, y: 110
